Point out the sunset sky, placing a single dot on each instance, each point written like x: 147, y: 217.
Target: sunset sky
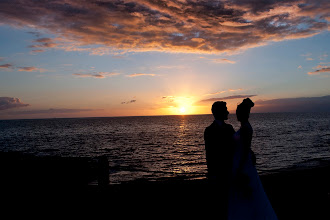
x: 99, y: 58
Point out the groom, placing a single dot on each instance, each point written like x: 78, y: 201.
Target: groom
x: 219, y: 154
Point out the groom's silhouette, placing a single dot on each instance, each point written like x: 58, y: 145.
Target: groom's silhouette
x: 219, y: 144
x: 219, y: 154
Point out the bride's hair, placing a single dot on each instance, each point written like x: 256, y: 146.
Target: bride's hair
x: 247, y: 103
x: 244, y: 108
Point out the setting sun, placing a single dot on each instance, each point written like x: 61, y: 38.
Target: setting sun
x: 183, y: 110
x: 179, y: 105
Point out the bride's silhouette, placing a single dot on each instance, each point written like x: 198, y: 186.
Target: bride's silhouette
x: 247, y: 198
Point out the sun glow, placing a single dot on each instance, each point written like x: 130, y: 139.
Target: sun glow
x: 180, y: 105
x: 183, y: 110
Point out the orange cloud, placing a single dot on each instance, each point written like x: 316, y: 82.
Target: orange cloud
x: 141, y: 74
x: 38, y: 51
x: 44, y: 43
x: 26, y: 69
x: 322, y: 70
x: 224, y: 61
x: 31, y: 69
x: 207, y: 26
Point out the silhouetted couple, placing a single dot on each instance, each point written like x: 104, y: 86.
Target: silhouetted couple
x: 235, y: 183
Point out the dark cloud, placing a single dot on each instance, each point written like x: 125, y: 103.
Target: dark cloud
x: 42, y: 44
x: 168, y: 98
x: 129, y: 102
x: 9, y: 103
x: 227, y: 98
x: 35, y: 33
x: 303, y: 104
x: 204, y: 26
x: 98, y: 75
x: 6, y: 66
x: 26, y: 69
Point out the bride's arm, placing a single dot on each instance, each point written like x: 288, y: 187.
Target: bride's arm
x: 246, y: 137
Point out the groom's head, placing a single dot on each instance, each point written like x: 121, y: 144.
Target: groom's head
x: 219, y: 110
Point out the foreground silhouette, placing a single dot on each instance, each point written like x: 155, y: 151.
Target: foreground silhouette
x: 219, y: 147
x: 247, y: 198
x: 232, y: 175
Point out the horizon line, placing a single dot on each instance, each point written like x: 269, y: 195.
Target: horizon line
x: 128, y: 116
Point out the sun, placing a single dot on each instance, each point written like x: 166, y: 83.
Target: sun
x: 182, y: 110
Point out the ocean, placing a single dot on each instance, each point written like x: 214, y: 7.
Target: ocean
x: 157, y: 147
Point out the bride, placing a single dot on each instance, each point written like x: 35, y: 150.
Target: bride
x: 247, y: 198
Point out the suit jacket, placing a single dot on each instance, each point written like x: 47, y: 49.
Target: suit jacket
x: 219, y: 146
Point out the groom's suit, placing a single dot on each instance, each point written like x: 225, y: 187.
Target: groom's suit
x: 219, y: 150
x: 219, y: 146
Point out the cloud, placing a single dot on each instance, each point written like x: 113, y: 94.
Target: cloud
x: 26, y: 69
x: 43, y: 43
x: 129, y: 102
x: 38, y: 51
x: 325, y: 69
x: 168, y: 99
x: 301, y: 104
x: 141, y: 74
x: 207, y: 26
x: 9, y: 103
x: 224, y: 91
x: 224, y: 61
x: 31, y: 69
x: 227, y: 98
x: 219, y: 60
x: 98, y: 75
x: 216, y: 93
x: 6, y: 66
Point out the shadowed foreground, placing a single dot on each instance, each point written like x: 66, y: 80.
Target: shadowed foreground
x: 58, y: 185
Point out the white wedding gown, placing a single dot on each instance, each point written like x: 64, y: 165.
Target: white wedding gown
x: 255, y: 205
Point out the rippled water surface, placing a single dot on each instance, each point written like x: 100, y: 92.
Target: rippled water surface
x: 168, y: 146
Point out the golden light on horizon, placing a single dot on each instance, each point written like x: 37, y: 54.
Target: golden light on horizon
x: 183, y: 106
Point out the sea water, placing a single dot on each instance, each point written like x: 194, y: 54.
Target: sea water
x: 154, y: 147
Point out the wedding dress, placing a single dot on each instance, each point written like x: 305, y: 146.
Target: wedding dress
x: 247, y: 198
